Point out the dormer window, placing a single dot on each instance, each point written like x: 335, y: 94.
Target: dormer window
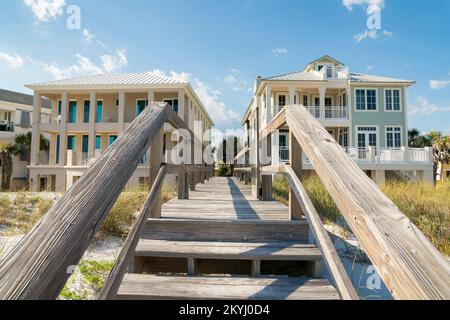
x: 329, y: 72
x: 319, y: 68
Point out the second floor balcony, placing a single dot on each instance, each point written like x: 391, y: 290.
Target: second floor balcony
x: 7, y: 126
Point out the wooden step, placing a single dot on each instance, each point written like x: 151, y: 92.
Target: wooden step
x: 287, y: 251
x: 149, y: 287
x: 226, y: 230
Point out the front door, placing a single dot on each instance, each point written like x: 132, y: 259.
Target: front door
x: 367, y: 137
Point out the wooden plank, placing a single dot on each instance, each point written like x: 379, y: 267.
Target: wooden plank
x: 37, y: 267
x: 292, y: 251
x: 405, y: 259
x: 136, y: 286
x: 332, y: 260
x: 223, y: 230
x: 277, y: 122
x: 242, y: 153
x: 115, y: 277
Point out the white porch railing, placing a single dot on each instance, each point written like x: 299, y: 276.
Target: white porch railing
x: 383, y: 155
x: 336, y: 113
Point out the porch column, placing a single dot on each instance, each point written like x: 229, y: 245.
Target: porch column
x: 92, y: 113
x: 36, y: 128
x: 268, y: 103
x: 181, y: 105
x: 151, y: 96
x: 121, y: 114
x: 322, y: 92
x: 52, y: 150
x: 291, y: 95
x: 349, y: 112
x: 63, y: 129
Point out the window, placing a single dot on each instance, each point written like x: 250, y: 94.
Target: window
x: 71, y: 143
x: 85, y: 144
x: 99, y: 112
x: 59, y: 107
x: 281, y: 100
x: 112, y: 139
x: 392, y: 100
x: 329, y: 72
x: 98, y: 142
x: 305, y: 100
x: 140, y: 106
x: 367, y: 137
x: 393, y: 137
x: 366, y: 99
x: 86, y: 111
x: 58, y: 141
x: 173, y: 103
x: 320, y: 67
x: 72, y: 112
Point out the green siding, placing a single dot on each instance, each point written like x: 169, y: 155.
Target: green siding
x: 379, y: 118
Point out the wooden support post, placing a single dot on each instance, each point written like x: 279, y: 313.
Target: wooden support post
x: 192, y: 181
x: 192, y: 267
x: 156, y: 159
x: 266, y: 180
x: 255, y: 268
x: 182, y: 183
x: 295, y: 158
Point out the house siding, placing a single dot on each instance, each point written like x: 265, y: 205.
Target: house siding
x: 380, y: 118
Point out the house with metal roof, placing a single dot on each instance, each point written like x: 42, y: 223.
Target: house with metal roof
x: 365, y: 114
x: 16, y: 117
x: 89, y: 113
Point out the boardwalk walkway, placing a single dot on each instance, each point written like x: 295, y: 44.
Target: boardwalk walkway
x: 223, y: 243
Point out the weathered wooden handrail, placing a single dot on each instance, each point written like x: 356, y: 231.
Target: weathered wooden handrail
x: 332, y: 260
x: 411, y: 267
x: 114, y: 279
x: 39, y: 266
x: 242, y: 153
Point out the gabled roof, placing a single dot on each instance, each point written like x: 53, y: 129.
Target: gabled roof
x: 326, y: 57
x: 361, y: 78
x: 21, y: 98
x: 295, y: 76
x: 147, y: 78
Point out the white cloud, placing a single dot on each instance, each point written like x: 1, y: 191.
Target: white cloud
x: 230, y: 79
x: 88, y: 36
x: 222, y: 115
x: 279, y: 51
x: 439, y: 84
x: 14, y: 61
x: 372, y: 5
x: 425, y: 108
x: 115, y: 62
x: 388, y: 34
x: 44, y: 10
x: 84, y: 66
x: 366, y: 34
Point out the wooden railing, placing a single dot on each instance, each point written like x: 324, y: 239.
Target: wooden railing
x: 39, y: 266
x: 411, y: 267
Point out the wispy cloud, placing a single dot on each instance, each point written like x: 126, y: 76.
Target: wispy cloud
x: 88, y: 36
x: 13, y: 61
x: 425, y: 108
x: 44, y: 10
x: 439, y: 84
x: 373, y: 10
x: 223, y: 116
x: 279, y: 51
x: 85, y: 66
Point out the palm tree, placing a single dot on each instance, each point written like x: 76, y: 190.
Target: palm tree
x: 6, y: 163
x: 417, y: 140
x: 22, y: 146
x: 441, y: 146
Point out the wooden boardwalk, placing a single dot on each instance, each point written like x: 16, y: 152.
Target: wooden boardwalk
x: 224, y: 199
x: 223, y: 243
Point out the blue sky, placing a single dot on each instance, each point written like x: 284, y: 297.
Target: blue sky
x: 221, y: 46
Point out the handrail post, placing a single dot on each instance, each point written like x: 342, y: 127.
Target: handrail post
x: 266, y: 180
x: 296, y: 161
x: 156, y: 159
